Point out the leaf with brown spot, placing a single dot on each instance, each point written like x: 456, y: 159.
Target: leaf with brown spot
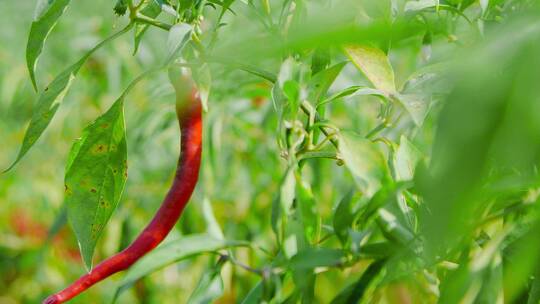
x: 93, y: 168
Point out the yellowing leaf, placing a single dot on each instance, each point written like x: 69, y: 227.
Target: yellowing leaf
x: 375, y: 65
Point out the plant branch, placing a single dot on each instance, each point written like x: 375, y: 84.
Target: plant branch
x: 240, y: 264
x: 144, y: 19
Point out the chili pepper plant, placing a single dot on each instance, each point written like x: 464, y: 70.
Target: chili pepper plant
x: 257, y: 151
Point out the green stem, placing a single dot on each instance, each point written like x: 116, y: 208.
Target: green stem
x: 323, y: 130
x: 317, y: 154
x: 271, y: 78
x: 144, y: 19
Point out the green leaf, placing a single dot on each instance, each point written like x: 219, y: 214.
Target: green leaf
x: 82, y: 176
x: 424, y: 5
x: 47, y: 15
x: 429, y: 79
x: 49, y: 100
x: 311, y: 258
x: 375, y: 65
x: 484, y: 4
x: 179, y: 35
x: 354, y: 91
x: 225, y: 5
x: 405, y: 160
x: 307, y: 209
x: 365, y: 162
x: 212, y: 226
x: 417, y: 105
x: 210, y: 286
x: 151, y: 10
x: 354, y: 292
x: 289, y: 68
x: 320, y: 60
x: 344, y: 217
x: 291, y: 90
x: 282, y: 203
x: 120, y: 7
x: 203, y: 78
x: 418, y: 5
x: 393, y: 228
x: 479, y: 277
x: 321, y: 82
x: 534, y: 293
x: 174, y: 251
x: 96, y: 176
x: 255, y: 294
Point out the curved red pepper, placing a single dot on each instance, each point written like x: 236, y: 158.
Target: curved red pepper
x: 190, y: 119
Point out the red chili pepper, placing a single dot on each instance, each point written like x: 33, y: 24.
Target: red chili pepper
x: 190, y: 118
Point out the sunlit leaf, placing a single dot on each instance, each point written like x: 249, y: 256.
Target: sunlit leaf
x: 375, y: 65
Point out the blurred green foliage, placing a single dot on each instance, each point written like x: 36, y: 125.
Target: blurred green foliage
x: 379, y: 151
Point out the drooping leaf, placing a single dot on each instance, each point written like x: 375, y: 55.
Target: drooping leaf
x: 46, y: 17
x: 96, y: 177
x: 98, y: 163
x: 375, y: 65
x: 49, y: 100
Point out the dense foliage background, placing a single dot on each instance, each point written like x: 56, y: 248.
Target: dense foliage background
x: 379, y: 151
